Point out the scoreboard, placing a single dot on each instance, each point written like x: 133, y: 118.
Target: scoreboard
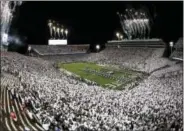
x: 57, y: 42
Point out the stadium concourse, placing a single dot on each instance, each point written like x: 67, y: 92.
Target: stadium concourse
x: 41, y: 97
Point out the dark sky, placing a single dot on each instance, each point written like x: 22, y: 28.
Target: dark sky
x: 93, y: 22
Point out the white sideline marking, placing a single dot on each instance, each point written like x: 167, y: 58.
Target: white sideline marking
x: 8, y: 101
x: 6, y: 122
x: 12, y: 123
x: 19, y: 114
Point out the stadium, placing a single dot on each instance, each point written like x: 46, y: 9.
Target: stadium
x: 124, y: 85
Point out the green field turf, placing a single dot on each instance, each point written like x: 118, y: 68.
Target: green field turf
x: 127, y: 76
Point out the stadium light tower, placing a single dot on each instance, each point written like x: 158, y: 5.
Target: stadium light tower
x: 54, y: 28
x: 171, y: 45
x: 29, y: 50
x: 62, y: 31
x: 50, y: 24
x: 66, y: 33
x: 58, y: 32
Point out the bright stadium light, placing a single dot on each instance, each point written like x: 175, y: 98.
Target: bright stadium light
x: 121, y: 37
x: 50, y: 23
x: 97, y: 47
x: 171, y: 45
x: 66, y: 32
x: 62, y: 30
x: 58, y: 29
x: 117, y: 34
x: 54, y: 28
x: 29, y: 48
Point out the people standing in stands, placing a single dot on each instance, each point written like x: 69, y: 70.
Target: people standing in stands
x: 13, y: 116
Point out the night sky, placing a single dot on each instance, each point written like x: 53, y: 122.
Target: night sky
x: 92, y: 22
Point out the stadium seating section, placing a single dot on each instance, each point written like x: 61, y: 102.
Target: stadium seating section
x: 41, y: 97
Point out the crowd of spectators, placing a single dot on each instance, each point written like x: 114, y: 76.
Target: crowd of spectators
x: 178, y: 50
x: 69, y: 104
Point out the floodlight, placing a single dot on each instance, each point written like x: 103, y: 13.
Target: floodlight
x: 50, y: 24
x: 171, y: 44
x: 62, y: 30
x: 117, y: 34
x: 66, y: 31
x: 54, y: 27
x: 58, y: 29
x: 97, y: 47
x: 121, y: 36
x: 29, y: 48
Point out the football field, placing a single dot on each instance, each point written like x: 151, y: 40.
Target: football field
x: 105, y: 76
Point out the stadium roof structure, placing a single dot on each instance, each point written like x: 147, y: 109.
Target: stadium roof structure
x: 59, y: 49
x: 157, y: 43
